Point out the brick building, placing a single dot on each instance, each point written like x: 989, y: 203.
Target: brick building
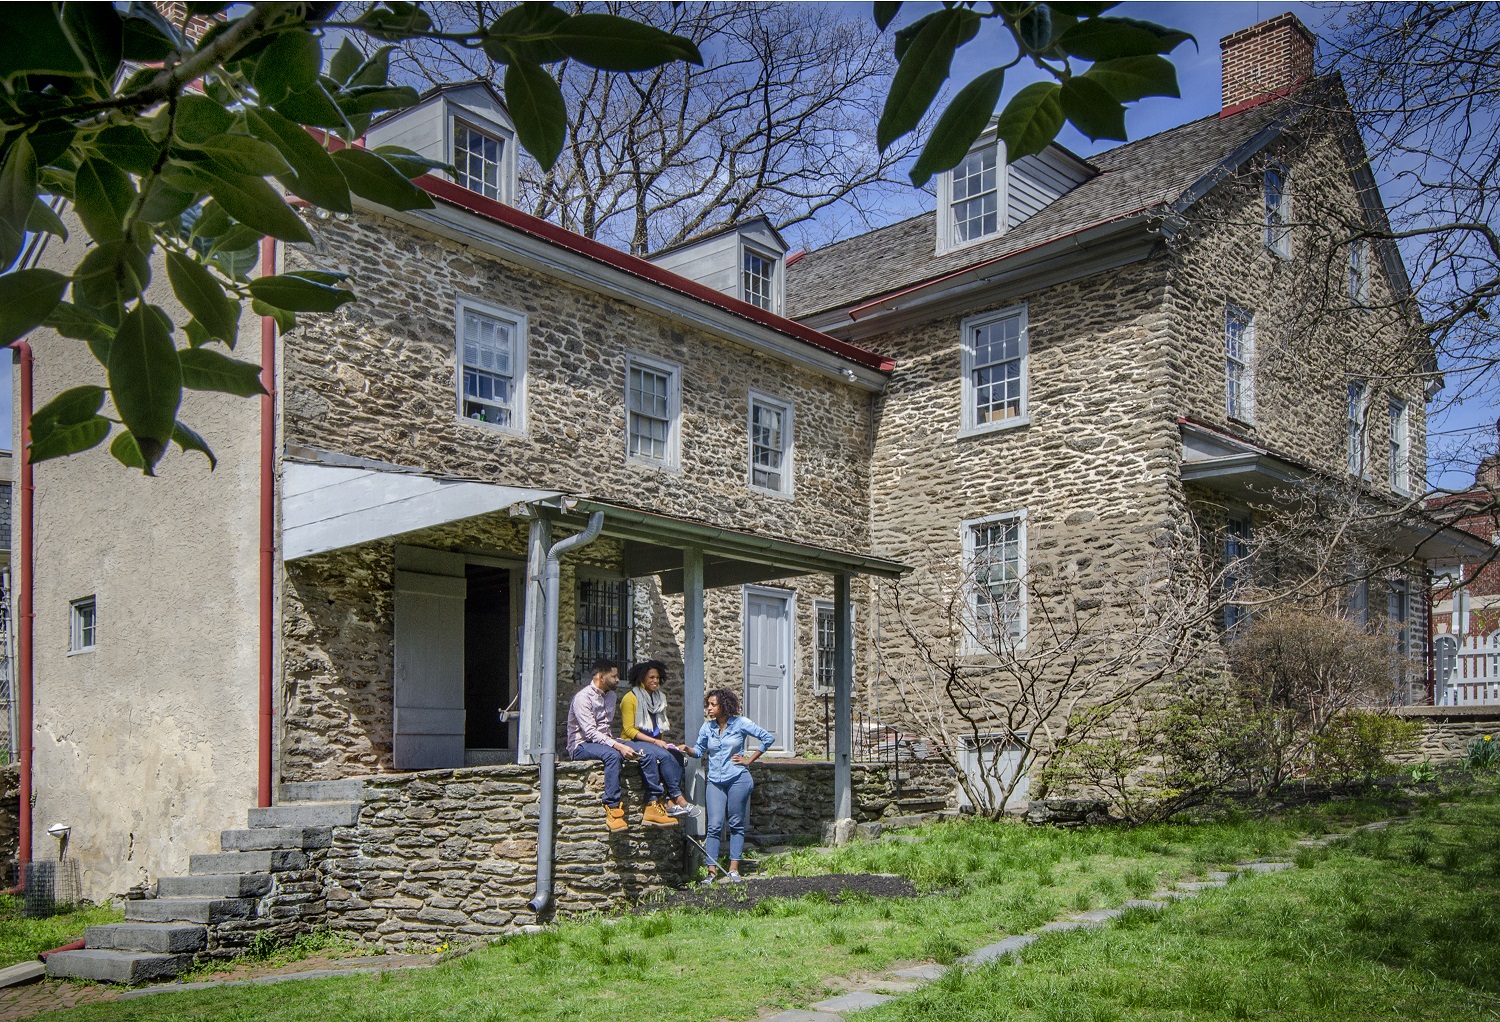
x: 1033, y: 393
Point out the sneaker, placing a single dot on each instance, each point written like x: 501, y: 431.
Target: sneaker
x: 614, y: 818
x: 732, y: 877
x: 709, y: 879
x: 656, y: 816
x: 688, y: 810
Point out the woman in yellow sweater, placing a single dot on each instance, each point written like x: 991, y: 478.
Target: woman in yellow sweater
x: 643, y: 720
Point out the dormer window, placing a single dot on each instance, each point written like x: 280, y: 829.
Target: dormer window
x: 758, y: 278
x: 479, y: 160
x: 971, y: 198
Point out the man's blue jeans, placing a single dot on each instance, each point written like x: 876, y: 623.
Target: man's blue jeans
x: 650, y: 770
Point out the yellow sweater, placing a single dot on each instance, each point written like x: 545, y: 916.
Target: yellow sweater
x: 626, y: 717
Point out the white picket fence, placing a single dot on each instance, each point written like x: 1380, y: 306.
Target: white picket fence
x: 1468, y: 672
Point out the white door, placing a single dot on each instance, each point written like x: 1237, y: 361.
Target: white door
x: 768, y: 663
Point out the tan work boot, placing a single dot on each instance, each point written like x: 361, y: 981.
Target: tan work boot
x: 614, y: 818
x: 656, y: 816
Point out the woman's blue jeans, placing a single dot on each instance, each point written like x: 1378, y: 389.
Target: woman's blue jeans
x: 728, y: 803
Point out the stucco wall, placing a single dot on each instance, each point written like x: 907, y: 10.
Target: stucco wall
x: 145, y: 747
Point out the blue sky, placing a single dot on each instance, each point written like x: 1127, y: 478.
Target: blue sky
x: 1198, y: 75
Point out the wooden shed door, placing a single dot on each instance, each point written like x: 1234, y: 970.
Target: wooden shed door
x: 429, y: 690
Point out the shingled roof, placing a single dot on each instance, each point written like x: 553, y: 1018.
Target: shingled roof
x: 1151, y: 172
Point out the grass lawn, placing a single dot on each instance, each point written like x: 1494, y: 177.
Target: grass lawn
x: 984, y: 881
x: 1399, y: 924
x: 21, y: 940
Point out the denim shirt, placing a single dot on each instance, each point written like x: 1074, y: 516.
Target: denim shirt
x: 721, y: 748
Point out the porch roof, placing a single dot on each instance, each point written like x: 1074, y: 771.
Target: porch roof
x: 1243, y: 471
x: 332, y: 501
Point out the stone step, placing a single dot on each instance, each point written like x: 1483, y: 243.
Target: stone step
x: 306, y: 814
x: 268, y: 838
x: 161, y: 938
x: 269, y: 860
x: 188, y: 910
x: 348, y: 790
x: 222, y: 885
x: 115, y: 966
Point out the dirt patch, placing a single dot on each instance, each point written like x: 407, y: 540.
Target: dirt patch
x: 746, y: 895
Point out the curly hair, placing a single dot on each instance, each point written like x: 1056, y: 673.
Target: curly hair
x: 640, y: 670
x: 729, y: 701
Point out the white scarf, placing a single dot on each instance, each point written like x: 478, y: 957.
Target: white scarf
x: 648, y: 703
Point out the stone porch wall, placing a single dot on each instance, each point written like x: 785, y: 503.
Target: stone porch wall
x: 1448, y: 730
x: 445, y: 854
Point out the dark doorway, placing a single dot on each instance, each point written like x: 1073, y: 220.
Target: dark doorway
x: 487, y: 657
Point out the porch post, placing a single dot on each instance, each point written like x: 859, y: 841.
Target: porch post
x: 843, y: 708
x: 528, y: 738
x: 692, y: 667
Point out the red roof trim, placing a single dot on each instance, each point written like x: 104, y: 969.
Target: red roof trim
x: 508, y: 216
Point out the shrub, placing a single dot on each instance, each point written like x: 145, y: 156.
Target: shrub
x: 1358, y: 745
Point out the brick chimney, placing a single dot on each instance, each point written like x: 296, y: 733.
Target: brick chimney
x: 175, y: 11
x: 1264, y: 61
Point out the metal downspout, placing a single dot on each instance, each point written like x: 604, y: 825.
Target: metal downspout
x: 548, y: 738
x: 24, y: 612
x: 265, y: 787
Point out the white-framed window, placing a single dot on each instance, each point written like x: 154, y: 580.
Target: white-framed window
x: 994, y: 552
x: 824, y: 639
x: 1359, y: 272
x: 653, y: 411
x: 480, y: 161
x: 83, y: 625
x: 1357, y: 601
x: 1278, y: 196
x: 760, y: 278
x: 1239, y: 363
x: 1400, y: 446
x: 1236, y: 567
x: 1355, y: 412
x: 994, y: 362
x: 770, y: 444
x: 972, y: 198
x: 491, y: 366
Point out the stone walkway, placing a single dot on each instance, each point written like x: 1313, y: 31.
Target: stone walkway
x: 882, y: 987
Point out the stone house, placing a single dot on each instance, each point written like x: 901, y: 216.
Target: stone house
x: 1066, y: 362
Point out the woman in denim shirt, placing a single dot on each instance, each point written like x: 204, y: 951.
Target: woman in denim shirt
x: 722, y: 740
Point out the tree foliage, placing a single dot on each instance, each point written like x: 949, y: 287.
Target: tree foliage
x: 165, y: 146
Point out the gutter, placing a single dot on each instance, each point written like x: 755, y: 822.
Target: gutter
x: 264, y: 742
x: 545, y: 849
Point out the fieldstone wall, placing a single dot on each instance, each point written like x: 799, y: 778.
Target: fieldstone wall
x: 444, y: 853
x: 793, y: 799
x: 1448, y: 730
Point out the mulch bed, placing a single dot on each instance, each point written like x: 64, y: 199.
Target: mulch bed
x: 746, y: 895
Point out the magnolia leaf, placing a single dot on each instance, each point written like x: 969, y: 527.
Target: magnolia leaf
x: 1131, y: 78
x: 27, y: 298
x: 188, y: 440
x: 243, y: 154
x: 962, y: 122
x: 199, y: 118
x: 69, y: 408
x: 537, y: 107
x: 313, y: 176
x: 612, y: 43
x: 289, y: 65
x: 1109, y: 38
x: 885, y: 13
x: 78, y: 323
x: 371, y: 177
x: 297, y: 293
x: 253, y: 202
x: 202, y: 296
x: 524, y: 32
x: 145, y: 380
x: 102, y: 196
x: 44, y: 220
x: 207, y: 369
x: 127, y: 147
x: 1031, y: 120
x: 97, y: 33
x: 922, y: 72
x: 1092, y: 110
x: 68, y: 439
x: 345, y: 61
x: 127, y: 452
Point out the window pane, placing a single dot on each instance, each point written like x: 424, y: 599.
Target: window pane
x: 603, y: 621
x: 649, y: 413
x: 476, y: 158
x: 759, y: 278
x: 975, y: 206
x: 488, y: 377
x: 996, y: 377
x: 998, y: 601
x: 823, y: 673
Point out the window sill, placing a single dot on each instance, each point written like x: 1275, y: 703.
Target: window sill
x: 655, y: 466
x: 961, y: 245
x: 995, y: 427
x: 767, y: 492
x: 79, y: 652
x: 492, y: 427
x: 1242, y: 423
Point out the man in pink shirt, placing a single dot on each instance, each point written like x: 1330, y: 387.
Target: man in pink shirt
x: 590, y: 718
